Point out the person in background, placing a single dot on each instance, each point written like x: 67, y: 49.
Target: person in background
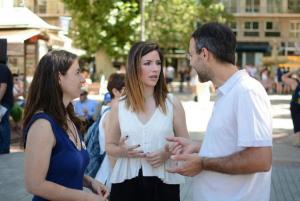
x: 138, y: 126
x: 55, y: 155
x: 194, y: 83
x: 170, y: 75
x: 115, y: 87
x: 234, y: 161
x: 6, y: 103
x: 18, y: 90
x: 122, y: 68
x: 279, y: 82
x: 85, y: 108
x: 17, y: 109
x: 86, y: 75
x: 292, y: 79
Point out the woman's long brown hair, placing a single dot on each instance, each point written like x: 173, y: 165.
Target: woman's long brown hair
x: 45, y: 93
x: 134, y: 86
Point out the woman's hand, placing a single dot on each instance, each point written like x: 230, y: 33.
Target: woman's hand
x: 98, y: 188
x: 157, y: 158
x: 130, y: 151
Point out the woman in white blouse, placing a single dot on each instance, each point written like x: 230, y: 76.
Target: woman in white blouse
x: 145, y: 116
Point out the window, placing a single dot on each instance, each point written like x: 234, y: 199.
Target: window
x: 42, y: 6
x: 272, y: 29
x: 269, y: 25
x: 272, y: 26
x: 294, y: 6
x: 251, y: 29
x: 230, y: 5
x: 233, y: 27
x: 274, y: 6
x: 250, y: 58
x: 252, y: 6
x: 294, y: 29
x: 251, y: 25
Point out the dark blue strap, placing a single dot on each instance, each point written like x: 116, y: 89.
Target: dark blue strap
x: 91, y: 131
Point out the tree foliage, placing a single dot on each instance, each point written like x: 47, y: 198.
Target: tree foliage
x: 108, y: 24
x: 114, y: 25
x: 212, y: 11
x: 170, y: 22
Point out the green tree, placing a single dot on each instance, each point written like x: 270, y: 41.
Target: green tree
x: 212, y: 11
x: 108, y: 24
x: 114, y: 25
x: 171, y: 22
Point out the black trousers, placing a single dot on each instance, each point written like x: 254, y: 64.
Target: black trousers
x: 144, y: 189
x: 295, y: 114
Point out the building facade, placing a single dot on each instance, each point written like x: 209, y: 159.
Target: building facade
x: 52, y: 11
x: 265, y: 28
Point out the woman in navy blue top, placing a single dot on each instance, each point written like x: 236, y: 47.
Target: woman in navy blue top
x: 293, y: 80
x: 55, y: 155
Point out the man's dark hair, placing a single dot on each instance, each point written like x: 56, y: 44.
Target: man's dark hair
x: 84, y: 70
x: 115, y: 81
x: 218, y: 39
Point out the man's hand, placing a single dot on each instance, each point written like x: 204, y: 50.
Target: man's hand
x: 180, y: 145
x: 189, y: 164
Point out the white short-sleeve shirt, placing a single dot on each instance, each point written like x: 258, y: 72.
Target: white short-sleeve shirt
x: 241, y: 118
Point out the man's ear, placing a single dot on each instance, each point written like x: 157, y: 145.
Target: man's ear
x: 115, y: 91
x: 59, y: 77
x: 205, y: 52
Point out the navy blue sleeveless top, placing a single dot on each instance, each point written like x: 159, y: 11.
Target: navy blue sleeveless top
x: 67, y: 163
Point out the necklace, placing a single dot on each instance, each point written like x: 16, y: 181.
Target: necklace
x: 74, y: 135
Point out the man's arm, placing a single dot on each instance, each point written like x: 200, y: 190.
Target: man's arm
x: 250, y: 160
x: 290, y: 81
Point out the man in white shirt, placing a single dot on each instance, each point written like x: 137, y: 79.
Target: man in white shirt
x: 234, y: 161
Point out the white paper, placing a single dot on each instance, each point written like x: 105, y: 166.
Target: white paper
x: 3, y: 110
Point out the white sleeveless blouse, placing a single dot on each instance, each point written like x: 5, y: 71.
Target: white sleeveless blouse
x: 152, y: 137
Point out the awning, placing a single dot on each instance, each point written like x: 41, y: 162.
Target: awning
x: 253, y: 47
x: 22, y: 17
x: 78, y: 52
x: 18, y: 36
x: 282, y: 61
x: 292, y: 62
x: 289, y: 65
x: 55, y: 40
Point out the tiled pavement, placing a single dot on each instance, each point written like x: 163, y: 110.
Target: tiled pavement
x: 285, y: 170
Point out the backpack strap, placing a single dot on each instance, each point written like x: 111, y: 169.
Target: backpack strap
x: 91, y: 130
x: 106, y: 110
